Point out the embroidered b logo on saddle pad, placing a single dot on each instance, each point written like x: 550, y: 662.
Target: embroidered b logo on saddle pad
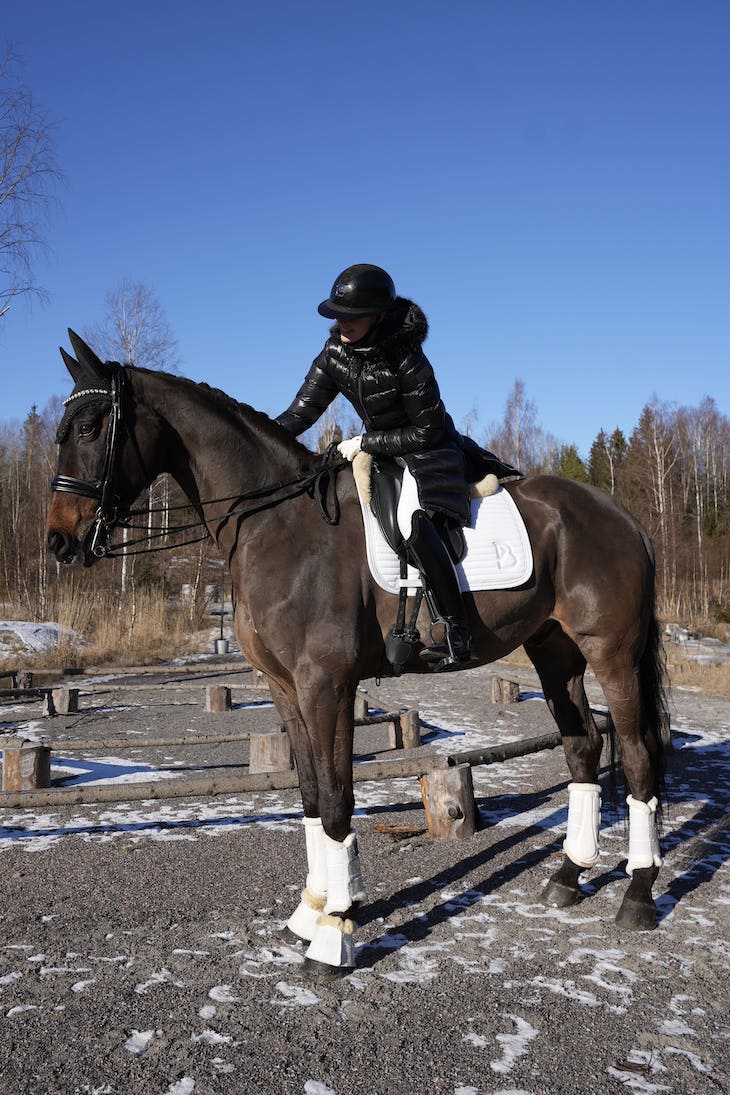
x: 498, y: 553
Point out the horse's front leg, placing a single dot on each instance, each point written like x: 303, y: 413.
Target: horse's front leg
x: 327, y: 711
x: 303, y: 921
x: 320, y: 728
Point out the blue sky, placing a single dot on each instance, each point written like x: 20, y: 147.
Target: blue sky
x: 548, y: 180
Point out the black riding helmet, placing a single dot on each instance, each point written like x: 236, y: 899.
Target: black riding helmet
x: 360, y: 290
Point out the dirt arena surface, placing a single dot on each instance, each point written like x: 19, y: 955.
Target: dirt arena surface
x: 141, y: 947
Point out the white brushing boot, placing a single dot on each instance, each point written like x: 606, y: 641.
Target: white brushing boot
x: 303, y: 920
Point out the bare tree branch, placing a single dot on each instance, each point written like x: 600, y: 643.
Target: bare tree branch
x: 518, y: 438
x: 134, y: 329
x: 28, y: 176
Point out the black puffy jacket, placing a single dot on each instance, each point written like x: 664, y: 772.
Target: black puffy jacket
x: 391, y: 385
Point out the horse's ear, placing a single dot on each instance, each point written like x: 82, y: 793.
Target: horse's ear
x: 72, y: 365
x: 92, y: 368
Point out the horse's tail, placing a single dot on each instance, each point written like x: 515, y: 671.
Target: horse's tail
x: 654, y: 718
x: 654, y: 705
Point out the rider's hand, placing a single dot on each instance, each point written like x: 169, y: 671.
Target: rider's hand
x: 350, y: 448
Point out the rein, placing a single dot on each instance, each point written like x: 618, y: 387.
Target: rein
x: 316, y: 484
x: 107, y: 517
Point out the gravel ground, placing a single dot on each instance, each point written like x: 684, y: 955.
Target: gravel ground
x: 141, y: 947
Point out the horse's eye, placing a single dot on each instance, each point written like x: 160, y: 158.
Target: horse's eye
x: 87, y: 429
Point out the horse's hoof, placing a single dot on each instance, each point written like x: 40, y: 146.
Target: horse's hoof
x: 291, y: 937
x: 320, y: 971
x: 557, y: 895
x: 637, y: 916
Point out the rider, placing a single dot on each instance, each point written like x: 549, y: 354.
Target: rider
x: 374, y: 357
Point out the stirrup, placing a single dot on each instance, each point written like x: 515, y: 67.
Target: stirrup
x: 454, y: 661
x: 453, y: 653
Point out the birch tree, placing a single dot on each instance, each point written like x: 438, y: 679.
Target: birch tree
x: 135, y: 331
x: 606, y: 457
x: 518, y: 438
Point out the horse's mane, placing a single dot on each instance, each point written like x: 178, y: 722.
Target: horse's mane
x: 242, y: 413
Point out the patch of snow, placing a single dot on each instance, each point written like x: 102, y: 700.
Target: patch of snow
x: 212, y: 1038
x: 185, y: 1086
x: 139, y: 1041
x: 19, y: 636
x: 223, y: 994
x: 295, y: 996
x: 514, y: 1044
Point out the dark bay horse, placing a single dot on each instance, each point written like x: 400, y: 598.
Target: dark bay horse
x: 309, y: 615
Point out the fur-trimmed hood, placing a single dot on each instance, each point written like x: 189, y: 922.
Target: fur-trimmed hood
x: 403, y: 330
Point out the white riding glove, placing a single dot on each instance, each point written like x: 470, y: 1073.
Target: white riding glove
x: 350, y: 448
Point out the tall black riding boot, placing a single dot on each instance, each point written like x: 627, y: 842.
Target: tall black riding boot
x: 429, y: 554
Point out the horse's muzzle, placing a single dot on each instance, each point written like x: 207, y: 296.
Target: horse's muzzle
x: 62, y: 545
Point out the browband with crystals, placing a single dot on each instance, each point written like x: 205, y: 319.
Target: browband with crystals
x: 86, y: 391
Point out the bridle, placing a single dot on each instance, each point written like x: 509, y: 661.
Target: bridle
x: 108, y: 515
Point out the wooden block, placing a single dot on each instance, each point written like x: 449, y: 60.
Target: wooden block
x: 217, y: 698
x: 410, y: 727
x: 405, y: 731
x: 395, y: 738
x: 361, y: 706
x: 26, y: 766
x: 448, y: 799
x: 503, y: 690
x: 22, y: 679
x: 270, y: 752
x: 66, y: 700
x: 48, y: 707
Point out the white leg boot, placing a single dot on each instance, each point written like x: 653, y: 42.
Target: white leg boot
x: 584, y: 815
x: 303, y: 920
x: 333, y: 944
x: 345, y: 886
x: 643, y: 837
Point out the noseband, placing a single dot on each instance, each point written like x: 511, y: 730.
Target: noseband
x: 107, y: 514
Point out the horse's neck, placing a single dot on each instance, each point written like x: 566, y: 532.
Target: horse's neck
x: 220, y: 449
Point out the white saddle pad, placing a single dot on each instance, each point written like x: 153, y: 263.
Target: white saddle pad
x: 498, y: 553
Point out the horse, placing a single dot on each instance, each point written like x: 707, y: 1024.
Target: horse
x: 308, y: 614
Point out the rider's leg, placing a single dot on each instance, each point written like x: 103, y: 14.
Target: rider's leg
x: 428, y: 552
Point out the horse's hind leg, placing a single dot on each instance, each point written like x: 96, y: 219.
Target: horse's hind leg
x: 641, y: 755
x: 561, y: 666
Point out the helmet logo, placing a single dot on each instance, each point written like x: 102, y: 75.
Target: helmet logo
x: 340, y: 289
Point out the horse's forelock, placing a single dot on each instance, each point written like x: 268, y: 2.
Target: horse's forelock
x: 74, y: 404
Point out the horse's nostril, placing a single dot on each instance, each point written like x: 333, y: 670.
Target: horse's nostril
x: 61, y: 545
